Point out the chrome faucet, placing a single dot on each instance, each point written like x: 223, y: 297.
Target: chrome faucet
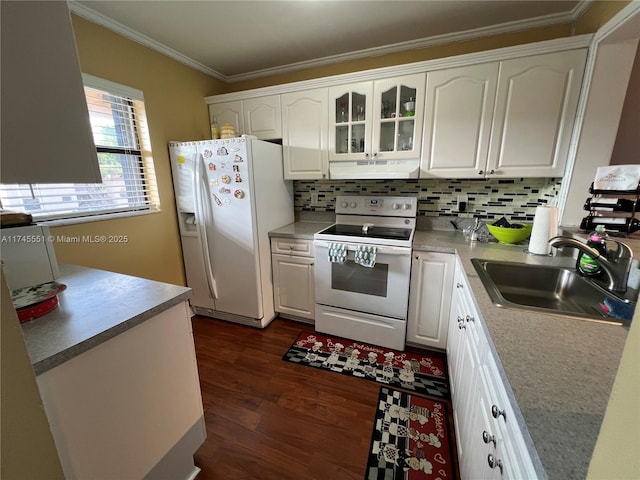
x: 616, y: 264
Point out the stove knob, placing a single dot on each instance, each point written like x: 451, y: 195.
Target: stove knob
x: 396, y: 206
x: 353, y: 205
x: 344, y: 204
x: 406, y: 206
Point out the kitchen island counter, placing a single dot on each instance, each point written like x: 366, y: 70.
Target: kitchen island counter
x: 560, y: 370
x: 96, y: 306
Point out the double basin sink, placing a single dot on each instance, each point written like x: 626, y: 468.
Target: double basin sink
x: 548, y: 289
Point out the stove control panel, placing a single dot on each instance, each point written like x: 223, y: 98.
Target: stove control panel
x: 376, y: 205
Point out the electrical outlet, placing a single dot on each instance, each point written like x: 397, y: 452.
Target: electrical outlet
x: 314, y: 199
x: 463, y: 203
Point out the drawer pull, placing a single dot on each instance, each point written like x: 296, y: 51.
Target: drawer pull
x: 494, y: 462
x: 459, y: 285
x: 487, y: 438
x: 496, y: 412
x: 470, y: 319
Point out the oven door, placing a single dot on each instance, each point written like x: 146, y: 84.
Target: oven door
x: 381, y: 290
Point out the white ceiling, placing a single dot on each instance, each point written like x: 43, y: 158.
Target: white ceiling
x: 238, y: 40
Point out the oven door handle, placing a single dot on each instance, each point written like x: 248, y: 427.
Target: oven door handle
x: 380, y: 249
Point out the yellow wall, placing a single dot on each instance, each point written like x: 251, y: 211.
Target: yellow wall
x: 597, y: 15
x: 176, y: 110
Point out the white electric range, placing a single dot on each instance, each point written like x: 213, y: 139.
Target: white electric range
x: 363, y: 268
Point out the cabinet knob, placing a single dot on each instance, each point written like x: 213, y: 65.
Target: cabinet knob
x: 481, y: 172
x: 375, y: 155
x: 459, y: 285
x: 470, y: 319
x: 366, y: 155
x: 496, y: 412
x: 487, y: 438
x: 494, y: 462
x: 462, y: 326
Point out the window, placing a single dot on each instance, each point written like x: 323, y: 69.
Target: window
x: 121, y: 136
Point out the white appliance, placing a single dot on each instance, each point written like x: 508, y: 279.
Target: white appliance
x: 230, y: 193
x: 366, y: 302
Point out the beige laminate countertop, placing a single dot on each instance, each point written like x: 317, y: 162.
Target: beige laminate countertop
x: 559, y: 371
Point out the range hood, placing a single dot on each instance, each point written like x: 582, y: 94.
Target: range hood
x: 374, y: 169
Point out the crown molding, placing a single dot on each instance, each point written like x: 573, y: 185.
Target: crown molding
x: 508, y: 27
x: 95, y: 17
x: 499, y: 54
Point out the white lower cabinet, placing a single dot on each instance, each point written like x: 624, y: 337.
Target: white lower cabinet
x: 293, y: 284
x: 130, y: 407
x: 430, y: 298
x: 490, y: 441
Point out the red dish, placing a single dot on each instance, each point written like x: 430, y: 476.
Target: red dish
x: 37, y: 310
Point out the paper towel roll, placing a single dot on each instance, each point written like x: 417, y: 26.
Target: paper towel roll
x: 545, y: 227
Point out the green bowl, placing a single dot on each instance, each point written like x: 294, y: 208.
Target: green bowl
x: 510, y: 235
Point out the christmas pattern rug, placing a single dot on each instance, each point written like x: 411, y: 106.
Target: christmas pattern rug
x: 410, y: 439
x: 423, y: 373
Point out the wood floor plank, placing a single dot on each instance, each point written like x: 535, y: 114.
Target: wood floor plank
x: 270, y: 419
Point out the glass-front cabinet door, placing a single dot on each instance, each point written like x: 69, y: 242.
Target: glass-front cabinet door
x: 398, y: 111
x: 350, y: 109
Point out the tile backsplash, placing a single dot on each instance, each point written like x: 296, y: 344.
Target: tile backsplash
x: 488, y: 199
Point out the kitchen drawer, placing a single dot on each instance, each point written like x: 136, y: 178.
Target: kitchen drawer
x: 292, y: 246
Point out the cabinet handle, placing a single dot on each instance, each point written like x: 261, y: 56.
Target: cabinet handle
x: 470, y: 319
x: 496, y: 412
x: 459, y: 285
x: 494, y: 462
x: 486, y: 438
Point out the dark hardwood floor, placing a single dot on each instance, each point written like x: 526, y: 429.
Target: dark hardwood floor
x: 271, y: 419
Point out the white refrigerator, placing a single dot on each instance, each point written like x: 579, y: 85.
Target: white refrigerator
x: 230, y: 193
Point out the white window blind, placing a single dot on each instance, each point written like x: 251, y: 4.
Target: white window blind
x: 120, y: 132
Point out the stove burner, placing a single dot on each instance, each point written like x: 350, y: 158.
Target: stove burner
x: 389, y: 233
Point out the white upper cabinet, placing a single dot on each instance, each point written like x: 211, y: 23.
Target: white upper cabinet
x: 504, y: 119
x: 350, y: 110
x: 536, y: 103
x: 46, y: 133
x: 262, y: 117
x: 381, y: 119
x: 228, y: 112
x: 259, y: 116
x: 398, y: 113
x: 457, y: 122
x: 304, y: 134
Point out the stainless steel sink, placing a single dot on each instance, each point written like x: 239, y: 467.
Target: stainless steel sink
x: 545, y: 289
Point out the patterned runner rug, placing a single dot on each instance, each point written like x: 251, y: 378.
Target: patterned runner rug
x: 423, y: 373
x: 411, y: 439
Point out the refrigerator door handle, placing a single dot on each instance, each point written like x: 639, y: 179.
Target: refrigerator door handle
x: 200, y: 186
